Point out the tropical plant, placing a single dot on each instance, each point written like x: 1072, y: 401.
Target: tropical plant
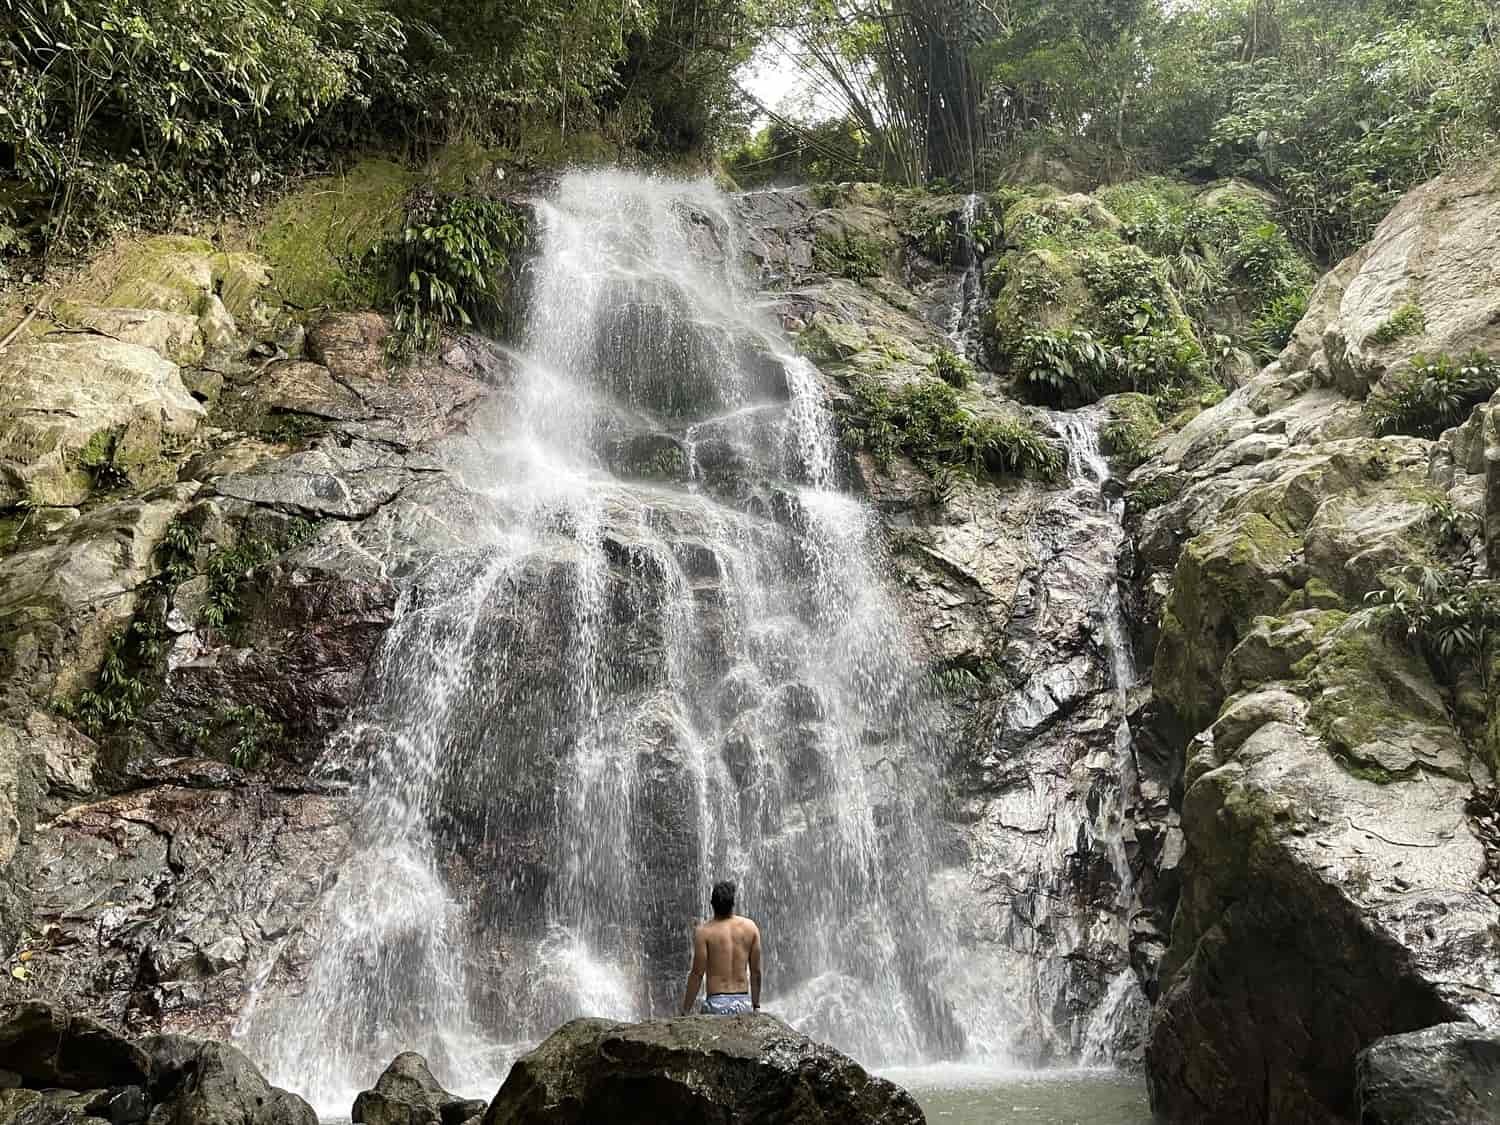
x: 926, y: 421
x: 1437, y: 392
x: 1448, y: 616
x: 952, y: 368
x: 447, y: 267
x: 1067, y: 368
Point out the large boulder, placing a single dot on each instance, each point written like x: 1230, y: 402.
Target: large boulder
x: 1426, y: 283
x: 407, y: 1094
x: 1331, y: 888
x: 67, y: 404
x: 202, y: 1082
x: 1443, y: 1075
x: 161, y: 904
x: 697, y: 1070
x: 45, y: 1046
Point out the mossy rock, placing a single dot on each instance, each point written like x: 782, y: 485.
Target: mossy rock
x: 167, y: 272
x: 1377, y: 707
x: 1043, y: 291
x: 316, y: 237
x: 828, y: 339
x: 1226, y: 577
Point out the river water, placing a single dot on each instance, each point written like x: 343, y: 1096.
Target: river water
x: 958, y: 1094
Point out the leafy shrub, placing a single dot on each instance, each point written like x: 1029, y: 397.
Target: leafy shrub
x: 952, y: 368
x: 1448, y: 616
x: 1163, y: 362
x: 123, y: 686
x: 446, y: 267
x: 1408, y: 320
x: 1144, y: 497
x: 1064, y: 368
x: 1272, y: 328
x: 243, y: 736
x: 1437, y: 393
x: 848, y: 253
x: 926, y: 421
x: 227, y: 568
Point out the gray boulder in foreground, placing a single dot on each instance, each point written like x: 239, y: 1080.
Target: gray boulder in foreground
x: 696, y: 1070
x: 58, y: 1068
x: 407, y: 1094
x: 1443, y: 1075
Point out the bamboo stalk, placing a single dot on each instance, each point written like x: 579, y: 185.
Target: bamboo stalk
x: 18, y: 329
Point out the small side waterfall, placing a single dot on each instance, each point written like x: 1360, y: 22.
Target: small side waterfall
x: 665, y: 654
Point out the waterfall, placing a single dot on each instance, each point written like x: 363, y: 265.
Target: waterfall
x: 666, y: 653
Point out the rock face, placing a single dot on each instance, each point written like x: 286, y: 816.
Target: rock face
x: 1333, y: 889
x: 166, y: 468
x: 746, y: 1070
x: 407, y: 1094
x: 1448, y: 1074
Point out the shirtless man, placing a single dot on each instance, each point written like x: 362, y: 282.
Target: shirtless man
x: 727, y: 948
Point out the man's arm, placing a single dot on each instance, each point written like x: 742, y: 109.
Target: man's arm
x: 700, y: 966
x: 755, y: 970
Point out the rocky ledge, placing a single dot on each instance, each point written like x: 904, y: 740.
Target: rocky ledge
x: 703, y: 1070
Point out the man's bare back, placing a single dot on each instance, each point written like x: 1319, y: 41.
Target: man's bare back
x: 726, y: 952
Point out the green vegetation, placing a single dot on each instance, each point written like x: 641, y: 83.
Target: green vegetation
x: 1272, y: 328
x: 446, y: 267
x: 952, y: 368
x: 242, y: 736
x: 1436, y: 393
x: 119, y: 112
x: 125, y: 681
x: 317, y: 239
x: 1338, y: 106
x: 1444, y: 613
x: 228, y: 568
x: 1152, y: 494
x: 133, y: 655
x: 1125, y: 291
x: 1132, y: 428
x: 97, y: 459
x: 1408, y: 320
x: 926, y: 421
x: 848, y: 253
x: 133, y: 667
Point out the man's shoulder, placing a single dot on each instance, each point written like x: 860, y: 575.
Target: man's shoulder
x: 747, y: 925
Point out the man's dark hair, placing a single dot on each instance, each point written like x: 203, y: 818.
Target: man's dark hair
x: 723, y: 898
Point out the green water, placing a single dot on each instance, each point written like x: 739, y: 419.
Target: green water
x: 954, y: 1094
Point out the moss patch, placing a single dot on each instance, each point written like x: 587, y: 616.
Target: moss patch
x: 1408, y: 320
x: 316, y: 237
x: 167, y: 272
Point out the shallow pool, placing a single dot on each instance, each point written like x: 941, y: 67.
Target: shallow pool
x: 957, y: 1094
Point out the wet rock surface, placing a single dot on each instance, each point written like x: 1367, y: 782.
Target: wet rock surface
x: 407, y: 1094
x: 1448, y: 1074
x: 64, y: 1069
x: 752, y: 1070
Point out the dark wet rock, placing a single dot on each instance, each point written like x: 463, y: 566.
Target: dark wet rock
x: 696, y: 1070
x: 1443, y: 1075
x: 160, y: 904
x: 407, y: 1094
x: 47, y: 1046
x: 210, y: 1083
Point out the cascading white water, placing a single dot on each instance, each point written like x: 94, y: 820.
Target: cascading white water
x: 666, y: 655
